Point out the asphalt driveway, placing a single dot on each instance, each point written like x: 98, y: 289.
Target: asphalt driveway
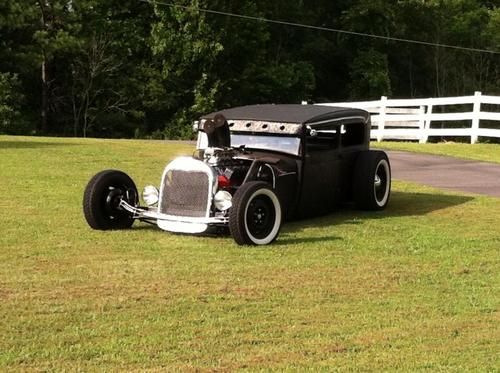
x: 446, y: 172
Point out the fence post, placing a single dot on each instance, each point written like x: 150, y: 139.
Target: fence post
x: 427, y: 123
x: 381, y: 120
x: 476, y: 115
x: 421, y: 125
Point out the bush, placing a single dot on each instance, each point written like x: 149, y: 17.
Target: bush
x: 11, y: 120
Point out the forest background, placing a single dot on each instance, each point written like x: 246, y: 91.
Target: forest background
x: 130, y: 68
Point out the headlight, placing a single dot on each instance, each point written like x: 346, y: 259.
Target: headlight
x: 150, y: 195
x: 223, y: 200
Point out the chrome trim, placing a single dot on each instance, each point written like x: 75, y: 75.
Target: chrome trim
x: 259, y: 126
x: 143, y: 213
x: 272, y: 172
x: 343, y: 119
x: 188, y: 164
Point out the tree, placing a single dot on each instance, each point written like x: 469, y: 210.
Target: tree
x: 369, y: 64
x: 123, y: 68
x: 55, y: 36
x: 187, y: 47
x: 10, y: 104
x: 91, y: 76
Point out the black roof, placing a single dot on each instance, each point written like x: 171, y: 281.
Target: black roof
x: 300, y: 114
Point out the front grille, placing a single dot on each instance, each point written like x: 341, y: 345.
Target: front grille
x: 185, y: 193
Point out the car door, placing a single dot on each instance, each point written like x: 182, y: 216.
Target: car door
x: 354, y: 137
x: 321, y: 169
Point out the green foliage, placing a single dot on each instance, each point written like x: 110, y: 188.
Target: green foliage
x: 121, y: 68
x: 370, y: 75
x: 11, y: 121
x: 492, y: 31
x: 187, y: 47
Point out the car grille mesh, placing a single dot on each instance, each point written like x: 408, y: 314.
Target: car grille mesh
x: 185, y: 193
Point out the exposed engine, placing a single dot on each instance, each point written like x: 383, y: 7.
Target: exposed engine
x: 230, y: 164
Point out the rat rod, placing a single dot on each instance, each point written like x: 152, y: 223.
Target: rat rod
x: 256, y: 166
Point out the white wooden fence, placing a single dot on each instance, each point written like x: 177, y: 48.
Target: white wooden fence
x: 412, y: 119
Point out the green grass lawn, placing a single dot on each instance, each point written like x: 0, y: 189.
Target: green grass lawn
x: 413, y: 288
x: 478, y: 152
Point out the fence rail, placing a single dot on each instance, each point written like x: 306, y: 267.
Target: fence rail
x: 415, y: 119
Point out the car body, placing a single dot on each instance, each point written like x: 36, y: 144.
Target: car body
x: 256, y: 166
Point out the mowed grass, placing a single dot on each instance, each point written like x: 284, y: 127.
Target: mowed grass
x: 478, y: 152
x: 413, y: 288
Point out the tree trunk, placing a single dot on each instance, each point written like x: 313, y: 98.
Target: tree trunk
x: 45, y: 99
x: 43, y: 111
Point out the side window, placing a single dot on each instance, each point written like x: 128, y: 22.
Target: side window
x: 352, y: 134
x: 324, y: 139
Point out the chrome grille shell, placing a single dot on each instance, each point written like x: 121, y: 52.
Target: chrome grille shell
x: 187, y: 188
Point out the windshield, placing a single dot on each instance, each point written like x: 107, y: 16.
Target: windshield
x: 290, y: 145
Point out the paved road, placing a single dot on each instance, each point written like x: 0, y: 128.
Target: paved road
x: 446, y: 172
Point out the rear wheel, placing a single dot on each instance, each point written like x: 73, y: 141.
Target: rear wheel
x: 255, y: 218
x: 102, y: 197
x: 372, y: 180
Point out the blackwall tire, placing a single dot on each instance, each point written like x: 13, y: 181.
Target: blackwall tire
x: 372, y: 180
x: 101, y: 197
x: 256, y: 215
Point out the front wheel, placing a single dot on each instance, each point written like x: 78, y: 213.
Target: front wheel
x: 102, y: 197
x: 372, y: 180
x: 255, y: 218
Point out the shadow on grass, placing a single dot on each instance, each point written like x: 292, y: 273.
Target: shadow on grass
x: 284, y: 239
x: 31, y: 144
x: 402, y: 204
x: 411, y: 204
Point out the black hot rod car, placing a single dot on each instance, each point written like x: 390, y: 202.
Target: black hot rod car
x: 255, y: 167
